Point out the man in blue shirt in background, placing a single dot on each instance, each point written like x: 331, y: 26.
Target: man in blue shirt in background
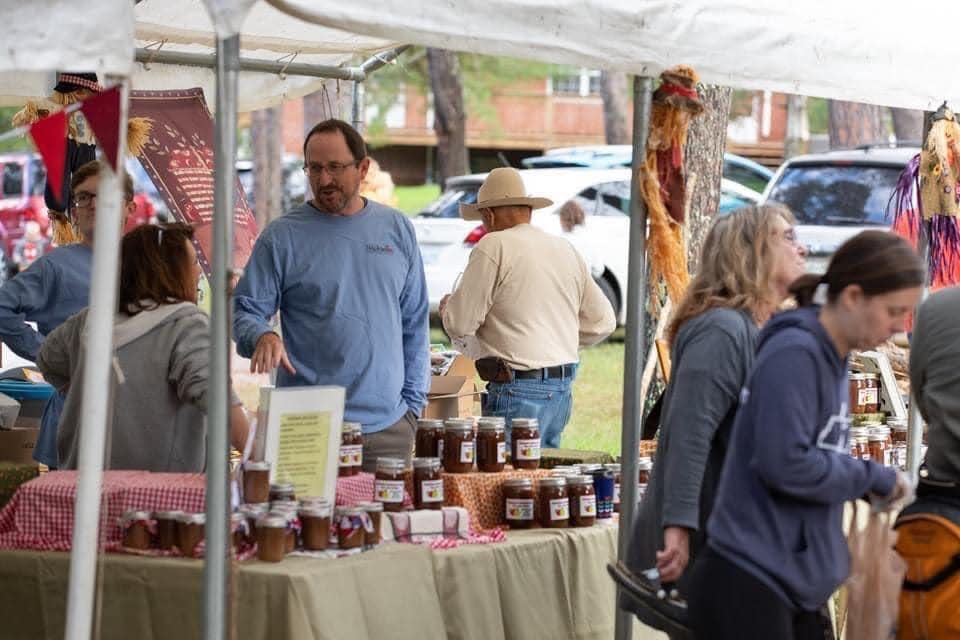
x: 345, y: 273
x: 53, y: 288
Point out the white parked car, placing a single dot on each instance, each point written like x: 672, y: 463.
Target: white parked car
x: 604, y: 195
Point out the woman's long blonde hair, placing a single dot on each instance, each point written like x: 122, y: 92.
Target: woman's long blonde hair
x: 736, y: 265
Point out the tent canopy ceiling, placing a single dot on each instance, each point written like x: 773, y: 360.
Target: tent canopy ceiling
x: 846, y: 50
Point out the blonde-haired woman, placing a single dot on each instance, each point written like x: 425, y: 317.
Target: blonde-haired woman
x: 749, y: 259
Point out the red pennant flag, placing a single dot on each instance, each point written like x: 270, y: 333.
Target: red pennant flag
x: 102, y: 112
x: 50, y: 137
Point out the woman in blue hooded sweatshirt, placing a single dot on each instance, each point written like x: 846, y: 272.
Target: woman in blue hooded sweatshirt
x: 776, y: 549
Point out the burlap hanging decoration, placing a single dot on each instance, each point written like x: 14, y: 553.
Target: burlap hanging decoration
x: 663, y: 186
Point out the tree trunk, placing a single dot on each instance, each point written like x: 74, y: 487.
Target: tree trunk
x: 450, y: 118
x: 907, y: 124
x: 333, y: 100
x: 613, y: 89
x: 267, y: 165
x: 703, y: 164
x: 853, y: 124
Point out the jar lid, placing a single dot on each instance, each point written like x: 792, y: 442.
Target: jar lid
x: 518, y: 483
x: 390, y: 464
x: 351, y: 427
x: 897, y: 424
x: 458, y: 425
x: 272, y: 522
x: 485, y: 425
x: 313, y: 500
x: 350, y: 511
x: 612, y: 466
x: 167, y: 515
x: 644, y: 464
x: 284, y: 505
x: 878, y: 433
x: 133, y: 516
x: 193, y: 518
x: 315, y: 511
x: 525, y: 423
x: 254, y: 507
x: 281, y: 487
x: 236, y: 517
x: 429, y: 423
x: 492, y: 420
x: 564, y: 473
x: 588, y: 467
x: 578, y: 480
x: 858, y: 432
x: 864, y: 376
x: 256, y: 465
x: 369, y: 506
x: 553, y: 482
x: 429, y: 463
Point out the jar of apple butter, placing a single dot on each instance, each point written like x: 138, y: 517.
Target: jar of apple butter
x: 388, y: 486
x: 271, y: 538
x: 136, y: 527
x: 428, y: 438
x: 427, y: 484
x: 256, y: 481
x: 458, y: 446
x: 519, y: 503
x: 315, y: 526
x: 239, y: 530
x: 491, y: 446
x: 374, y: 511
x: 351, y: 527
x: 614, y: 468
x: 554, y: 503
x: 864, y: 393
x: 167, y: 528
x: 525, y: 443
x: 583, y: 501
x: 190, y: 530
x: 351, y: 449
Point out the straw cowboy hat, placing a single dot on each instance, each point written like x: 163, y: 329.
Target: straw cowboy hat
x: 503, y: 187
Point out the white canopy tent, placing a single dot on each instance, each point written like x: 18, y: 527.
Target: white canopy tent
x: 852, y: 51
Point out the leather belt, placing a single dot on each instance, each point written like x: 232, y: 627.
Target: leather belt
x: 559, y: 371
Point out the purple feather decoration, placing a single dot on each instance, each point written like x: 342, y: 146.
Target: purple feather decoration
x: 905, y: 201
x: 944, y: 246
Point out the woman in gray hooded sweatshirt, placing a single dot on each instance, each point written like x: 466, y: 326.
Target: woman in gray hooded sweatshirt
x: 749, y: 259
x: 161, y: 361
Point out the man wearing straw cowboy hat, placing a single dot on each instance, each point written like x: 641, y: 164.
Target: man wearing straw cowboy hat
x: 529, y: 302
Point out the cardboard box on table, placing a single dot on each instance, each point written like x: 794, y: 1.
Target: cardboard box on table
x: 454, y: 394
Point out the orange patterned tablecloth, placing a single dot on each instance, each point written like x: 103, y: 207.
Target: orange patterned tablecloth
x: 481, y: 493
x: 648, y: 448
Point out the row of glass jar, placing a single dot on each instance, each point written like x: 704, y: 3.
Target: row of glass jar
x: 460, y: 442
x: 886, y: 445
x: 559, y: 502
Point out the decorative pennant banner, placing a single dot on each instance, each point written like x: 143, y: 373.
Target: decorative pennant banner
x: 102, y: 112
x: 50, y: 137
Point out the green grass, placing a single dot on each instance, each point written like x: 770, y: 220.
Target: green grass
x: 411, y: 200
x: 597, y: 396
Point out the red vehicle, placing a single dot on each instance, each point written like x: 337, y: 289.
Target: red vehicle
x: 23, y: 178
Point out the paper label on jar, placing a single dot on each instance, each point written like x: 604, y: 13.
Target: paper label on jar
x: 867, y: 395
x: 431, y: 491
x: 466, y: 451
x: 350, y: 453
x: 641, y: 489
x: 559, y: 509
x: 528, y: 449
x: 519, y: 509
x: 388, y: 490
x: 616, y: 493
x: 501, y: 452
x: 588, y: 506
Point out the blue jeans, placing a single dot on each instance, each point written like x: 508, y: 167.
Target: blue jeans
x: 549, y: 401
x: 45, y: 451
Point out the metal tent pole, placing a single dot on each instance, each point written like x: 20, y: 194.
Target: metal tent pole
x: 216, y: 562
x: 96, y: 388
x: 635, y: 349
x: 914, y: 421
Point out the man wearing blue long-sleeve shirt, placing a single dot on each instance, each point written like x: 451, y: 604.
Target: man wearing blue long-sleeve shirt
x: 345, y: 273
x: 52, y: 289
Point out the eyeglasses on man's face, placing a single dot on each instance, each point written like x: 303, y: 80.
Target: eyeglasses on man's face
x: 83, y: 199
x: 335, y: 169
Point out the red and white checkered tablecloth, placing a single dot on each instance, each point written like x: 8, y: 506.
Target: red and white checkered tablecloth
x: 40, y: 514
x: 359, y: 488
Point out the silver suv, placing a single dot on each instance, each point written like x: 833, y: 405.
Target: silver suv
x: 837, y: 194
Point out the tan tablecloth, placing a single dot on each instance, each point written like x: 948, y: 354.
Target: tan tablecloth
x: 537, y: 584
